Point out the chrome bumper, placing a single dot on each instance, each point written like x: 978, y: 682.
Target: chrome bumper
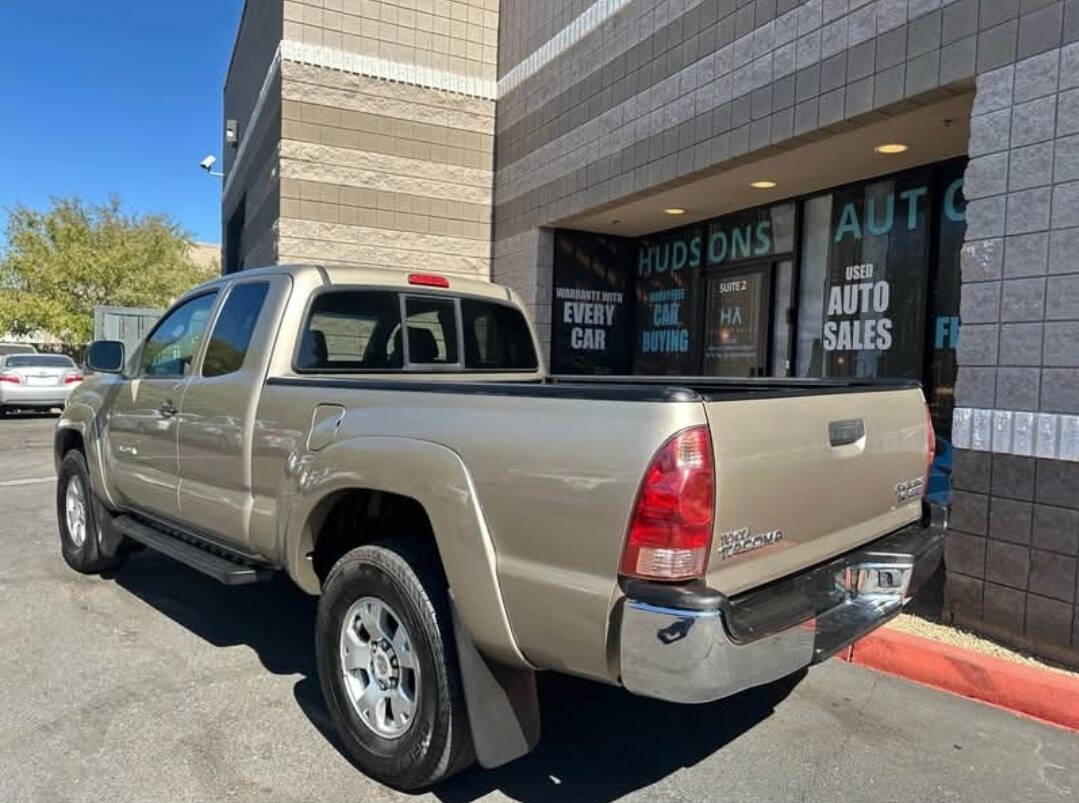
x: 694, y: 645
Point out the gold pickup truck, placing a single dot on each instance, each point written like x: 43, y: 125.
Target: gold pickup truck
x: 392, y: 442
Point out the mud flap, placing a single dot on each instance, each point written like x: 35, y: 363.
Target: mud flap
x: 109, y: 539
x: 503, y: 708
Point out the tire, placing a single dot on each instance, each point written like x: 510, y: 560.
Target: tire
x: 401, y: 578
x: 81, y: 549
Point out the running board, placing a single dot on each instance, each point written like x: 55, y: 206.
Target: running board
x: 223, y: 569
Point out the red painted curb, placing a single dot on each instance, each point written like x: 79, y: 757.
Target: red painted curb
x: 1035, y: 692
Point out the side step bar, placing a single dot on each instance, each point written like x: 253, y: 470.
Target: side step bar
x: 222, y: 569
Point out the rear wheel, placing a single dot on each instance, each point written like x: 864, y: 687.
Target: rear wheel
x: 79, y: 517
x: 387, y: 665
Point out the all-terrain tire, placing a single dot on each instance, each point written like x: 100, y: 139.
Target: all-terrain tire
x: 404, y: 574
x: 82, y: 552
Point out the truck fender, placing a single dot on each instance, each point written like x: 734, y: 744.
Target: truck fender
x: 82, y: 418
x: 502, y: 704
x: 86, y: 413
x: 434, y: 476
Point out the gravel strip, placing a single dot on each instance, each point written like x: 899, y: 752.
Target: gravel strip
x: 917, y: 626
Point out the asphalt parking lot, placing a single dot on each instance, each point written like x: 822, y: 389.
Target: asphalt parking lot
x: 158, y: 684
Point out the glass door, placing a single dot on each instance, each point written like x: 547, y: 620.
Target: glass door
x: 738, y: 322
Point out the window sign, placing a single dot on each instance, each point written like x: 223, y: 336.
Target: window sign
x: 668, y: 271
x: 865, y: 264
x: 590, y: 309
x: 867, y: 300
x: 756, y: 234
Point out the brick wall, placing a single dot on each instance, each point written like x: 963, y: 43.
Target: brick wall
x: 1012, y: 556
x: 388, y: 173
x: 384, y: 174
x: 381, y: 115
x: 457, y: 36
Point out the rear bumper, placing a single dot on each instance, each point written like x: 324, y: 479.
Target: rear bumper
x: 34, y: 395
x: 692, y: 645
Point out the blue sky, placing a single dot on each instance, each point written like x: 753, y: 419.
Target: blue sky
x: 115, y: 96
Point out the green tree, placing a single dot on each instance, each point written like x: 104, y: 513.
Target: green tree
x: 60, y: 264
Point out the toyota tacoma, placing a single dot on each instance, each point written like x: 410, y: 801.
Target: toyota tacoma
x: 391, y: 441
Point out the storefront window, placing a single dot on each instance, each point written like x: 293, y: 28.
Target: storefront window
x: 944, y: 298
x: 735, y: 324
x: 591, y: 325
x: 865, y: 267
x: 944, y: 324
x: 782, y: 315
x: 816, y: 236
x: 668, y: 272
x: 705, y: 300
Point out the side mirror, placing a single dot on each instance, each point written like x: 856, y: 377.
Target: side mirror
x: 105, y: 356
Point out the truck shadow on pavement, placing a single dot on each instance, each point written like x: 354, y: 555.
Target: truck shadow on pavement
x: 598, y: 742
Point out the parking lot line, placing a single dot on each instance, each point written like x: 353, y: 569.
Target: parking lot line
x: 27, y: 481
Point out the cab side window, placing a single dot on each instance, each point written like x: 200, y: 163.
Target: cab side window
x: 496, y: 337
x: 231, y: 336
x: 171, y: 347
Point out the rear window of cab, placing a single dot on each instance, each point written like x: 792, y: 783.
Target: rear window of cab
x: 348, y: 330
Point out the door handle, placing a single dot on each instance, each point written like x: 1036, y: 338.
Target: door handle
x: 166, y: 409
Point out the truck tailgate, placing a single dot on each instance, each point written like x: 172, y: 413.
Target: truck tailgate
x: 787, y: 498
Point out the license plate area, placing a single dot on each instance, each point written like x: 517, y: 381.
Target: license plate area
x: 41, y: 381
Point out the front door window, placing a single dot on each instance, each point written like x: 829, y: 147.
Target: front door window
x: 170, y: 349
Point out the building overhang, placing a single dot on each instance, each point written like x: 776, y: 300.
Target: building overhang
x: 936, y: 130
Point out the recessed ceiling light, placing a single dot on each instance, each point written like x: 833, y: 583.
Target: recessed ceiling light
x: 763, y: 184
x: 675, y: 210
x: 892, y: 148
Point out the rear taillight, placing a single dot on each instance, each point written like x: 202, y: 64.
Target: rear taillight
x: 930, y: 448
x: 670, y: 530
x: 12, y: 378
x: 72, y: 378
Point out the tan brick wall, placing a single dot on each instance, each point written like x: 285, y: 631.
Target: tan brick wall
x: 458, y: 36
x: 386, y: 147
x: 381, y: 173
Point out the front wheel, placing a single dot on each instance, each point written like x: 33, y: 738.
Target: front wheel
x: 387, y: 665
x: 78, y: 516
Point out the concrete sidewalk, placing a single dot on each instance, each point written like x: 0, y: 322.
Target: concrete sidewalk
x: 160, y: 684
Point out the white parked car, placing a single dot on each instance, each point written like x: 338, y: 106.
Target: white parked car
x: 36, y: 381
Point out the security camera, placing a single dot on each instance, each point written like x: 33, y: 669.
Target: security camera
x: 208, y: 163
